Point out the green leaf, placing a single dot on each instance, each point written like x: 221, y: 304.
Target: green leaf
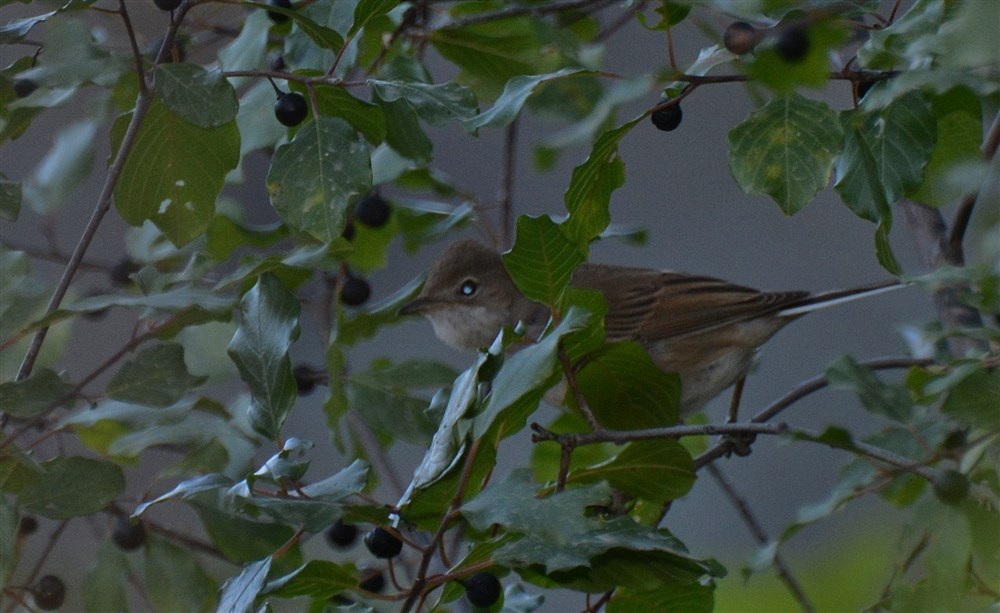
x: 786, y: 150
x: 885, y: 153
x: 174, y: 172
x: 186, y: 489
x: 33, y: 395
x: 322, y: 36
x: 692, y: 598
x: 492, y: 53
x: 318, y: 579
x: 435, y: 104
x: 383, y: 397
x: 203, y: 98
x: 974, y: 401
x: 63, y: 169
x: 240, y: 592
x: 15, y: 30
x: 526, y: 376
x: 959, y: 120
x: 365, y: 117
x: 626, y: 391
x: 174, y: 580
x: 543, y: 259
x: 655, y: 470
x: 269, y: 325
x: 403, y: 132
x: 515, y: 94
x: 104, y: 589
x: 883, y: 248
x: 239, y: 539
x: 74, y: 56
x: 366, y: 10
x: 72, y: 486
x: 9, y: 524
x: 156, y: 377
x: 890, y: 401
x: 316, y: 177
x: 768, y: 67
x: 589, y: 193
x: 11, y: 195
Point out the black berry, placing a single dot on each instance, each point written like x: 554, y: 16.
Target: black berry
x: 24, y: 87
x: 167, y: 5
x: 341, y: 534
x: 49, y: 593
x: 121, y: 272
x: 305, y: 378
x: 739, y: 37
x: 793, y: 44
x: 383, y: 544
x: 668, y: 118
x: 373, y: 211
x: 372, y: 580
x: 951, y: 486
x: 955, y: 440
x: 355, y: 291
x: 482, y: 589
x: 291, y: 108
x: 127, y: 535
x: 282, y: 4
x: 27, y: 525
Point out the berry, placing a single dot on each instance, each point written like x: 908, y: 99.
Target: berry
x: 167, y: 5
x: 951, y: 486
x: 739, y: 37
x: 121, y: 272
x: 372, y: 580
x: 291, y: 108
x: 305, y: 378
x: 373, y: 211
x: 27, y: 525
x: 49, y: 593
x: 955, y: 440
x: 383, y: 544
x: 668, y: 118
x: 278, y: 17
x: 341, y: 534
x: 24, y: 87
x: 129, y: 536
x: 793, y: 44
x: 863, y: 87
x: 482, y: 589
x: 355, y: 291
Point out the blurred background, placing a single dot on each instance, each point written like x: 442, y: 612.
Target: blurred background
x: 679, y: 189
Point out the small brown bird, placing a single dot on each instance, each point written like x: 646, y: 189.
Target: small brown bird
x: 704, y: 329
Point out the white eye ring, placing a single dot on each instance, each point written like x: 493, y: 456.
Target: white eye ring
x: 469, y: 287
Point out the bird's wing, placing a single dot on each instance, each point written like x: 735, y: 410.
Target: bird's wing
x: 650, y: 305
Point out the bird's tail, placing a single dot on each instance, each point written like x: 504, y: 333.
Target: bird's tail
x: 831, y: 298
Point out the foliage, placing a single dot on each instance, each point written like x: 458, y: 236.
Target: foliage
x: 585, y: 515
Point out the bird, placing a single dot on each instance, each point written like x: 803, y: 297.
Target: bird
x: 706, y: 330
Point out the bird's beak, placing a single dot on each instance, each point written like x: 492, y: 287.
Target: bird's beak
x: 417, y: 306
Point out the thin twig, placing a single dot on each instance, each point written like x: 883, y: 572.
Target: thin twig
x: 742, y: 507
x: 508, y: 172
x: 574, y: 388
x: 968, y: 202
x: 136, y: 54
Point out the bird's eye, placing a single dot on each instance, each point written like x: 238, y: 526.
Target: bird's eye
x: 468, y: 287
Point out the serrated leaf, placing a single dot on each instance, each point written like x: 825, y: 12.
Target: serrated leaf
x: 72, y: 486
x: 174, y: 172
x: 543, y: 259
x: 435, y: 103
x: 884, y: 155
x: 156, y: 377
x: 316, y: 177
x: 174, y: 580
x: 515, y: 94
x: 589, y: 193
x: 240, y: 592
x: 785, y: 149
x: 33, y: 395
x: 269, y: 325
x: 877, y: 397
x: 203, y: 98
